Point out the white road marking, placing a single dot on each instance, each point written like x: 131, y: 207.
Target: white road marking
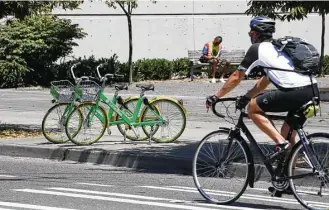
x: 7, y: 176
x: 149, y: 203
x: 139, y: 197
x: 244, y: 196
x: 29, y: 206
x: 94, y: 184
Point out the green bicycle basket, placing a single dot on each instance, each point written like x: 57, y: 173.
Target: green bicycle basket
x: 62, y: 91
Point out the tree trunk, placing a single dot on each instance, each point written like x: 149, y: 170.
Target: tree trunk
x: 130, y: 49
x: 322, y: 42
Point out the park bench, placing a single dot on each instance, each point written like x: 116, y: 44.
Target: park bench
x: 235, y: 56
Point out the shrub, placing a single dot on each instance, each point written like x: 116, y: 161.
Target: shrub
x: 36, y: 42
x: 152, y: 69
x: 181, y: 67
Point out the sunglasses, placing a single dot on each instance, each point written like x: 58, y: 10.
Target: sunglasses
x: 250, y: 33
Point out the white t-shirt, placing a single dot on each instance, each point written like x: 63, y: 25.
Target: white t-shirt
x: 265, y: 54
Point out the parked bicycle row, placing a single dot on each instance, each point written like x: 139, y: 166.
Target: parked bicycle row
x: 82, y: 112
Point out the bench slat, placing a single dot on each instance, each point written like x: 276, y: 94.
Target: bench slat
x: 235, y: 57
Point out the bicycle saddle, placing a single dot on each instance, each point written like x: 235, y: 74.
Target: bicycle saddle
x: 121, y: 87
x: 145, y: 86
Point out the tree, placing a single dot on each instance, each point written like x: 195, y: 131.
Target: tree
x: 36, y: 42
x: 21, y: 9
x: 127, y: 7
x: 291, y: 10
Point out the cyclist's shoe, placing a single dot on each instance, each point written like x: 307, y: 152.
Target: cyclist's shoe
x: 280, y: 148
x: 277, y: 193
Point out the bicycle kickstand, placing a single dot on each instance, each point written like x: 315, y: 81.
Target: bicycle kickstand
x: 125, y: 135
x: 150, y: 138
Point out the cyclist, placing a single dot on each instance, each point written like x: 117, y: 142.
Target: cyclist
x: 293, y: 89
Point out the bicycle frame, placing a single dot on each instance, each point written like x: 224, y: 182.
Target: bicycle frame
x: 125, y: 119
x: 295, y: 124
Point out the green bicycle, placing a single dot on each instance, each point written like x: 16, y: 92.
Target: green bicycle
x: 66, y: 98
x: 150, y: 118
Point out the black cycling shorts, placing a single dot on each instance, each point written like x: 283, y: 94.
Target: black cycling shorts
x: 286, y: 100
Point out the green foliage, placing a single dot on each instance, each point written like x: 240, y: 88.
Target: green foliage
x: 12, y: 71
x: 39, y: 41
x: 87, y: 67
x: 22, y: 9
x: 145, y: 69
x: 286, y: 10
x: 155, y: 69
x: 326, y: 65
x: 181, y: 66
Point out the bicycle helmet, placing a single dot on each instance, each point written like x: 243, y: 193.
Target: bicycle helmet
x: 262, y: 25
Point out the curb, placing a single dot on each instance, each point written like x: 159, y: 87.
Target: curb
x: 137, y: 161
x: 141, y: 162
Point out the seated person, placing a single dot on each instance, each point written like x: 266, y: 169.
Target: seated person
x: 211, y: 53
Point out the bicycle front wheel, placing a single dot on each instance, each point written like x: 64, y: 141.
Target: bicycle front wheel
x: 53, y: 123
x: 310, y: 186
x: 173, y: 115
x: 94, y: 124
x: 220, y: 167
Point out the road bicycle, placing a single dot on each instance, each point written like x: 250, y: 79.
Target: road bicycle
x: 225, y: 160
x: 66, y: 96
x: 129, y: 115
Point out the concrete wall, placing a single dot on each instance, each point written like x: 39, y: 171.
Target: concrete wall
x: 168, y: 28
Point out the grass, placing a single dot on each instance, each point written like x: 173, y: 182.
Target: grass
x: 12, y: 133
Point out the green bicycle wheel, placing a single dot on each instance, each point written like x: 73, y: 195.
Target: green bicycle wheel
x: 54, y: 131
x: 90, y: 131
x: 174, y: 116
x: 131, y: 105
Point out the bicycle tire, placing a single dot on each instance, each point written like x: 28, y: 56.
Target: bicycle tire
x: 160, y: 112
x: 120, y: 126
x: 61, y: 130
x: 104, y: 125
x: 201, y: 189
x: 297, y: 147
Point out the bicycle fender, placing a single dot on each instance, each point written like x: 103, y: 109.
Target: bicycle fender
x: 224, y: 128
x: 179, y: 102
x: 130, y: 98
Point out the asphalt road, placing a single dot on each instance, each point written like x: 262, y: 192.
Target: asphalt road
x: 43, y: 184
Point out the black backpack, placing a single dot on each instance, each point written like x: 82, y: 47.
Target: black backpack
x: 304, y: 55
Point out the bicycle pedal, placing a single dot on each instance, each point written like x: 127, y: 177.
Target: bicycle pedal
x: 274, y: 192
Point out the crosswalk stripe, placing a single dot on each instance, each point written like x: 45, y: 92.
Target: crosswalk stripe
x: 94, y: 184
x: 139, y: 197
x: 244, y: 196
x: 122, y: 200
x: 30, y: 206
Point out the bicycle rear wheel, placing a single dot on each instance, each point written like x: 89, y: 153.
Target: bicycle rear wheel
x: 311, y: 188
x: 131, y: 105
x: 174, y: 116
x: 220, y: 167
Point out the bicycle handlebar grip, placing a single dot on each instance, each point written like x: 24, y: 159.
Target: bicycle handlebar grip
x: 215, y: 112
x: 119, y: 75
x: 109, y: 75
